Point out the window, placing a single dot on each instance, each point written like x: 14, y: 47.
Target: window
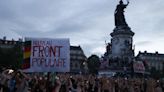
x: 157, y: 66
x: 161, y: 66
x: 76, y: 65
x: 71, y: 65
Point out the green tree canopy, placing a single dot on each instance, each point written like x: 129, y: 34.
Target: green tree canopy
x: 155, y: 73
x: 93, y: 64
x: 11, y: 57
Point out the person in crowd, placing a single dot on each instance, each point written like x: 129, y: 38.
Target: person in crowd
x: 6, y: 75
x: 158, y: 87
x: 18, y: 81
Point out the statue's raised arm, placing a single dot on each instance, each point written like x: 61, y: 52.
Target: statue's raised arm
x: 127, y: 2
x: 119, y: 14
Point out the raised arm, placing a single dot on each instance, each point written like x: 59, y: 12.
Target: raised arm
x: 5, y: 74
x: 24, y: 75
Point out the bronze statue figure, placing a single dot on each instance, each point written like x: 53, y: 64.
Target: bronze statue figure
x: 119, y: 14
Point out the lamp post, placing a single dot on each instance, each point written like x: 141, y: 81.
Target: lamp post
x: 84, y: 67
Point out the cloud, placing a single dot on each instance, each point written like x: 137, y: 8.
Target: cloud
x: 86, y: 22
x: 10, y: 35
x: 143, y: 43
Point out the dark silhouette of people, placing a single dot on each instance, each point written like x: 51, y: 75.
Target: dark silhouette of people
x: 119, y: 14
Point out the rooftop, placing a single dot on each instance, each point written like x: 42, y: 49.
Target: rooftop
x: 145, y: 53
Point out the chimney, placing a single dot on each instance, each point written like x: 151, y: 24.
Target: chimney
x: 145, y: 51
x: 20, y: 40
x: 12, y: 41
x: 4, y: 38
x: 139, y: 52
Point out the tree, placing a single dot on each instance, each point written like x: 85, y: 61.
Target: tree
x: 6, y: 56
x: 155, y: 73
x: 93, y: 64
x: 11, y: 57
x: 18, y: 55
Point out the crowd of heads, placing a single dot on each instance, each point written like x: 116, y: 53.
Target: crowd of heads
x: 18, y: 81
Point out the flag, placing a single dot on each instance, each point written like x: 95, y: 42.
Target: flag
x: 26, y: 55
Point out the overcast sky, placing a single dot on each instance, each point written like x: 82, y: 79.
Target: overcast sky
x: 87, y: 23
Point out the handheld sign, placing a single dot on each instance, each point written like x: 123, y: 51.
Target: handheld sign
x: 46, y: 55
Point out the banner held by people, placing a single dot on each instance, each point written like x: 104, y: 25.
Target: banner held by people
x: 46, y: 55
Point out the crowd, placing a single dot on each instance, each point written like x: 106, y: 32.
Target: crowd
x: 18, y: 81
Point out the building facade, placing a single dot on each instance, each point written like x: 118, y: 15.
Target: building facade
x: 77, y: 60
x: 8, y: 43
x: 152, y: 60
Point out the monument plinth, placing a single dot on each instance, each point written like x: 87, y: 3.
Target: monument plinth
x: 121, y: 30
x: 121, y: 52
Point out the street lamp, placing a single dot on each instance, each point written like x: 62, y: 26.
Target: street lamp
x: 84, y: 67
x: 84, y: 63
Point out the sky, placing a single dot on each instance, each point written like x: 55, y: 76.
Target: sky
x: 87, y: 23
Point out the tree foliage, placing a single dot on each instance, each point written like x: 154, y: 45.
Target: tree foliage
x: 93, y: 64
x: 155, y: 73
x: 11, y: 57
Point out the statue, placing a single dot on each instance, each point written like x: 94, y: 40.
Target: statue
x: 119, y: 14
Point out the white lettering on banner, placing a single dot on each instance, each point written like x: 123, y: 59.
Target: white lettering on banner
x: 49, y: 55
